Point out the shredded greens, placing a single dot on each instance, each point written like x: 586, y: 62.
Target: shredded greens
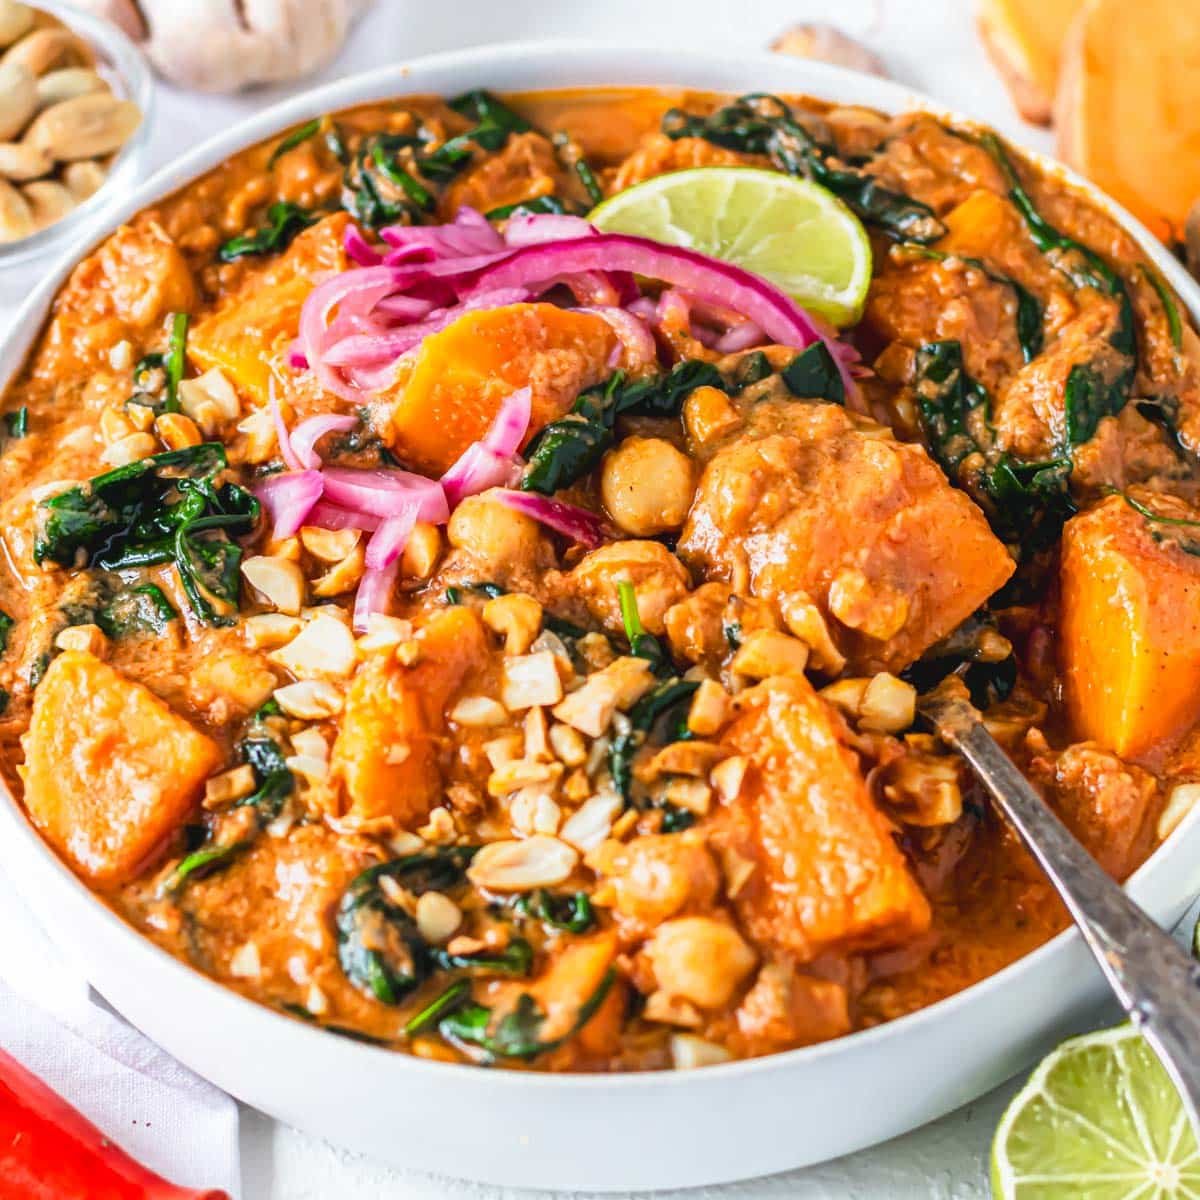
x: 165, y: 508
x: 761, y: 124
x: 284, y: 221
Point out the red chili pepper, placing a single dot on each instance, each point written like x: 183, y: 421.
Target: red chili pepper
x: 48, y: 1151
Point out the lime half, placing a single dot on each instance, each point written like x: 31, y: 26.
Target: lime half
x: 793, y: 233
x: 1100, y: 1119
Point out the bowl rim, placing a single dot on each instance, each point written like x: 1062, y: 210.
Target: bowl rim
x: 122, y: 57
x: 552, y: 62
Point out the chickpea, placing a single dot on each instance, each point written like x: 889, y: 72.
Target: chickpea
x: 647, y: 485
x: 659, y: 580
x: 699, y: 959
x: 501, y: 541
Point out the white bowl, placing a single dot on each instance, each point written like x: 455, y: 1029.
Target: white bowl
x: 601, y: 1132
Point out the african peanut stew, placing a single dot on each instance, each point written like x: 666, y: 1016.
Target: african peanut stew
x: 471, y: 632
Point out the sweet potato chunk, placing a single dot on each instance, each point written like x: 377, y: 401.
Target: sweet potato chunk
x: 123, y: 289
x: 1130, y: 628
x: 248, y: 335
x: 1024, y: 39
x: 463, y: 373
x: 1128, y: 108
x: 110, y: 770
x: 386, y: 751
x: 827, y: 875
x: 811, y: 499
x: 1104, y: 801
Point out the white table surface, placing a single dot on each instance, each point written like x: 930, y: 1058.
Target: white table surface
x: 927, y: 44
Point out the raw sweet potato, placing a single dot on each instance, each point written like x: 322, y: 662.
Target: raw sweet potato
x: 250, y: 332
x: 386, y: 751
x: 110, y: 770
x: 1024, y: 39
x: 827, y: 874
x: 1128, y: 107
x: 463, y: 373
x: 1130, y: 629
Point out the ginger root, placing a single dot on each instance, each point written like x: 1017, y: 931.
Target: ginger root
x: 226, y: 45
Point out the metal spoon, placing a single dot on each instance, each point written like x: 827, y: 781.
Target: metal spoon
x: 1156, y: 981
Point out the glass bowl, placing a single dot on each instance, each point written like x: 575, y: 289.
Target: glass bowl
x: 122, y: 64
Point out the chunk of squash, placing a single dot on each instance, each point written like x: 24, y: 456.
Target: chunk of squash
x: 462, y: 374
x: 110, y: 770
x: 827, y: 874
x: 1024, y: 39
x: 1130, y: 630
x: 1128, y: 108
x: 248, y: 335
x: 813, y: 499
x: 386, y: 751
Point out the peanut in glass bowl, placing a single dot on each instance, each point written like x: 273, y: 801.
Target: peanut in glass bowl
x: 122, y: 66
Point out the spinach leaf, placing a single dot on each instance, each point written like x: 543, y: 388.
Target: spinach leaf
x: 572, y: 913
x: 539, y: 204
x: 437, y: 870
x: 294, y: 139
x: 198, y: 864
x: 164, y: 508
x: 517, y: 1033
x: 284, y: 221
x: 17, y: 422
x: 989, y: 680
x: 567, y: 449
x: 1026, y: 502
x: 948, y: 403
x: 1185, y: 543
x: 762, y: 124
x: 641, y: 644
x: 6, y: 624
x: 174, y: 362
x: 135, y: 611
x: 666, y: 707
x: 751, y: 369
x: 515, y: 959
x: 380, y: 949
x: 453, y: 997
x: 571, y: 156
x: 813, y: 374
x: 1096, y: 395
x: 1170, y: 308
x: 273, y: 779
x: 1029, y: 311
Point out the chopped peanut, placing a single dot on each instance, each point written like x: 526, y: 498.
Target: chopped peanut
x: 517, y: 618
x: 421, y: 552
x: 710, y: 708
x: 765, y: 653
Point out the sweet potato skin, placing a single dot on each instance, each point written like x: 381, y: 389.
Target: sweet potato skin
x: 1129, y: 631
x: 1127, y: 113
x: 110, y: 770
x: 828, y: 875
x: 386, y: 750
x: 1023, y: 39
x: 463, y: 373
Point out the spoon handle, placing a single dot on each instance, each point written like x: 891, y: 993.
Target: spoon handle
x: 1156, y: 981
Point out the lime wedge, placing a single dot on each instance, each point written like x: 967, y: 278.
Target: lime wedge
x: 1099, y: 1118
x: 793, y: 233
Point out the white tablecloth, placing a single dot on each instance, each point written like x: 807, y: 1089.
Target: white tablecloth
x: 928, y: 44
